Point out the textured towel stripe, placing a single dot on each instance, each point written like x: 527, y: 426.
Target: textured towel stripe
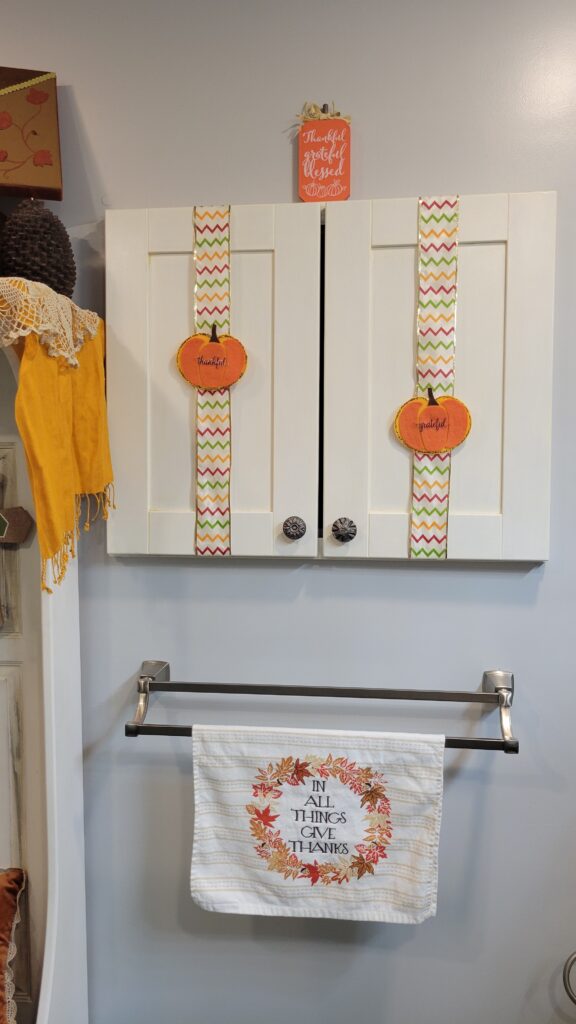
x: 214, y: 859
x: 436, y: 329
x: 227, y: 833
x: 399, y: 794
x: 400, y: 899
x: 222, y: 809
x: 213, y: 429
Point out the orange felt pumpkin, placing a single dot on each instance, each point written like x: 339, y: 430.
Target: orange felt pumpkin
x: 211, y: 362
x: 432, y: 424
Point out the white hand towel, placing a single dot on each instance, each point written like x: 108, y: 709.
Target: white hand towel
x: 317, y: 823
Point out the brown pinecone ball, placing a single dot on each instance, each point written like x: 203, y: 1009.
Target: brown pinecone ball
x: 34, y: 244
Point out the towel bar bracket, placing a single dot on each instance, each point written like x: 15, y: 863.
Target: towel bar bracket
x: 152, y: 671
x: 497, y: 689
x: 502, y: 683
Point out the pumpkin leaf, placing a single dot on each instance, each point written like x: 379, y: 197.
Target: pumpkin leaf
x: 361, y: 866
x: 311, y: 871
x: 258, y: 831
x: 263, y: 790
x: 266, y: 774
x: 299, y: 773
x: 265, y: 817
x: 372, y: 795
x: 284, y: 768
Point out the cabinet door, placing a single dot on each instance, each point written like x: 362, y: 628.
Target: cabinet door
x: 500, y: 477
x: 275, y: 303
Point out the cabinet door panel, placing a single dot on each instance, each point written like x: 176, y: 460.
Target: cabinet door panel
x: 275, y: 293
x: 503, y: 354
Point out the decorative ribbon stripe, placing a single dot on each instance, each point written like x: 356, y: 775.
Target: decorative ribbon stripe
x: 436, y: 328
x: 213, y: 433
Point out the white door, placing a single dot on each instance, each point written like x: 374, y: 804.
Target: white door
x: 500, y: 477
x: 41, y: 758
x: 22, y: 804
x: 275, y: 311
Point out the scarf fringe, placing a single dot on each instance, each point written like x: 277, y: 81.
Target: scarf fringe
x: 97, y: 507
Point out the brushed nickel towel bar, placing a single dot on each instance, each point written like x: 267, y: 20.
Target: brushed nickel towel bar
x: 497, y: 689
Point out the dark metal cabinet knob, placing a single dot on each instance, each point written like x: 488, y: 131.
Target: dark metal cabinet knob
x: 294, y: 528
x: 344, y: 529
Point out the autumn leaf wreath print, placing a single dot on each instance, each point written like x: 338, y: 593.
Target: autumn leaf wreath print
x: 319, y: 823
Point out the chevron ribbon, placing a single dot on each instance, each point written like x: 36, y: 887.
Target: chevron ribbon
x: 213, y: 428
x: 438, y: 218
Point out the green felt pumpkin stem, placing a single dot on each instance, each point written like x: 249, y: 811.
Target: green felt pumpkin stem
x: 431, y: 399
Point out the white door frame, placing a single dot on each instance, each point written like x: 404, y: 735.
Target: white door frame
x: 64, y: 987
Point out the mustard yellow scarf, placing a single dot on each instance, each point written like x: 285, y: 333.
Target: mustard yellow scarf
x: 61, y: 416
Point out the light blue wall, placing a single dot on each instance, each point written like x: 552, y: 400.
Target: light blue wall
x: 180, y: 102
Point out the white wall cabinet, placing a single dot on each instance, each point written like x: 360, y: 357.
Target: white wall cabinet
x: 500, y: 480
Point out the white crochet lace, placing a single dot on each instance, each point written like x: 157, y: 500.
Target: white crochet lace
x: 27, y: 306
x: 9, y: 974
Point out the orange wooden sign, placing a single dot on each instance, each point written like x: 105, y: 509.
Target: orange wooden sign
x: 431, y: 425
x: 324, y: 160
x: 210, y: 361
